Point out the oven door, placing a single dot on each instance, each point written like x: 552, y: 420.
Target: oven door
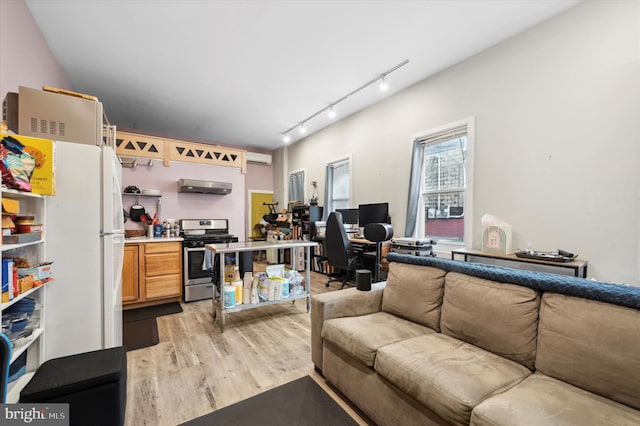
x: 198, y: 266
x: 201, y: 272
x: 197, y: 274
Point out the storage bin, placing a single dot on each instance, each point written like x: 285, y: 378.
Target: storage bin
x: 18, y: 367
x: 94, y: 384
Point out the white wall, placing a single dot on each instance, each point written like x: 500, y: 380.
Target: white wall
x: 557, y: 133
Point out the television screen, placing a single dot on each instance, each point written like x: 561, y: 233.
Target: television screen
x: 349, y: 216
x: 373, y: 213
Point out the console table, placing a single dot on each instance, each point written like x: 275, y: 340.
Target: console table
x: 244, y: 246
x: 578, y: 266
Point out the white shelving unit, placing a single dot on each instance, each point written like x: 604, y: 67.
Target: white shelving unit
x: 33, y: 344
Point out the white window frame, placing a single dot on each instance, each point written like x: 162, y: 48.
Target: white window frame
x: 329, y: 185
x: 444, y: 247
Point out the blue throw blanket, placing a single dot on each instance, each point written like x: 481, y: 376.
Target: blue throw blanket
x: 618, y: 294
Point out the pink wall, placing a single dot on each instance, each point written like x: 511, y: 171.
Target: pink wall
x: 174, y: 205
x: 259, y: 177
x: 25, y: 58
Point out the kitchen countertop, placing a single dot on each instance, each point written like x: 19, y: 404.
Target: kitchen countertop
x: 138, y: 240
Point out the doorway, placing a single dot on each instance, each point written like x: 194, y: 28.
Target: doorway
x: 257, y: 209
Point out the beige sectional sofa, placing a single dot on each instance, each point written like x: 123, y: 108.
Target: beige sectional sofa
x: 447, y: 342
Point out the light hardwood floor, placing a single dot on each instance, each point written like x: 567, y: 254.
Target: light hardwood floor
x: 195, y: 369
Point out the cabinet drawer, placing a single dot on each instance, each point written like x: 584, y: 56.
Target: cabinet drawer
x: 172, y: 247
x: 164, y: 286
x: 162, y: 264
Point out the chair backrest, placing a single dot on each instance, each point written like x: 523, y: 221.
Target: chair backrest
x: 337, y: 244
x: 5, y: 360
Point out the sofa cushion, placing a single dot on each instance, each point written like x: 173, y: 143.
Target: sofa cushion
x: 501, y: 318
x: 361, y: 336
x: 541, y: 400
x: 448, y: 376
x: 592, y: 345
x: 415, y: 293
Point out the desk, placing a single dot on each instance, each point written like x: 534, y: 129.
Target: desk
x: 578, y: 266
x: 218, y: 299
x: 363, y: 245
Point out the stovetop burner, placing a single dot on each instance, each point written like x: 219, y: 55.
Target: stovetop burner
x: 209, y: 237
x: 198, y: 232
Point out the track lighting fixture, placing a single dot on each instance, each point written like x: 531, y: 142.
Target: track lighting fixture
x: 331, y: 112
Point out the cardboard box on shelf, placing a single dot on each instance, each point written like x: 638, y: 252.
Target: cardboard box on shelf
x: 21, y: 238
x: 7, y: 223
x: 25, y: 283
x: 38, y: 272
x: 43, y: 179
x: 7, y: 280
x: 10, y: 206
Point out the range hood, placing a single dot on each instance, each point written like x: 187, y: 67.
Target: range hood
x: 204, y: 186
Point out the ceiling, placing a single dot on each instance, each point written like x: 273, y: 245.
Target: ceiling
x: 243, y: 72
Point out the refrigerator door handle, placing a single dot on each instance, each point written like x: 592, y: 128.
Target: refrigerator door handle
x: 105, y: 234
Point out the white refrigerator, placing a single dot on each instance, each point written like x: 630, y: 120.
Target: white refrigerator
x: 85, y: 240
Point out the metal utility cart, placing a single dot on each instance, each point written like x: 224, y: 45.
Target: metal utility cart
x: 218, y: 304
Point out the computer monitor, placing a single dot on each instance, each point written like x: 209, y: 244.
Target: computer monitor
x: 373, y: 213
x: 349, y: 216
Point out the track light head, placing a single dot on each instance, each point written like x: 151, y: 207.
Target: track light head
x: 286, y: 138
x: 303, y: 129
x: 332, y: 112
x: 383, y: 84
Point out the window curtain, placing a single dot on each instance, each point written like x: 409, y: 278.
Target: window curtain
x: 414, y: 200
x: 296, y: 187
x: 328, y: 199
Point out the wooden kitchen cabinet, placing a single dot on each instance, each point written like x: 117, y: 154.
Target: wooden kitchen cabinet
x: 163, y: 270
x: 159, y: 274
x: 130, y: 276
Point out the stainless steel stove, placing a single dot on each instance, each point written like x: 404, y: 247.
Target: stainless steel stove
x: 200, y: 271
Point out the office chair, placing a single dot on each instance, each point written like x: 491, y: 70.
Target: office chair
x: 338, y: 249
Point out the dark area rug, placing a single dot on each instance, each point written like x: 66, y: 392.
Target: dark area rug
x: 139, y: 326
x: 301, y: 402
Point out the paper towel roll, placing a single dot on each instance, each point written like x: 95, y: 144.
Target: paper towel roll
x: 229, y: 296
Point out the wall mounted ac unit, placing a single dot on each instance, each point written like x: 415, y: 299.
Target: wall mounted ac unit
x: 255, y: 157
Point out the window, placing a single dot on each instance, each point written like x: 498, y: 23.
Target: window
x: 440, y: 186
x: 444, y: 188
x: 338, y: 186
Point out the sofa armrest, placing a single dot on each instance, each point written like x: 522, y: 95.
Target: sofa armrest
x: 337, y: 304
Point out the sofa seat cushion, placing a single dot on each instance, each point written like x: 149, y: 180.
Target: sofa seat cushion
x: 447, y: 375
x: 543, y: 400
x: 361, y: 336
